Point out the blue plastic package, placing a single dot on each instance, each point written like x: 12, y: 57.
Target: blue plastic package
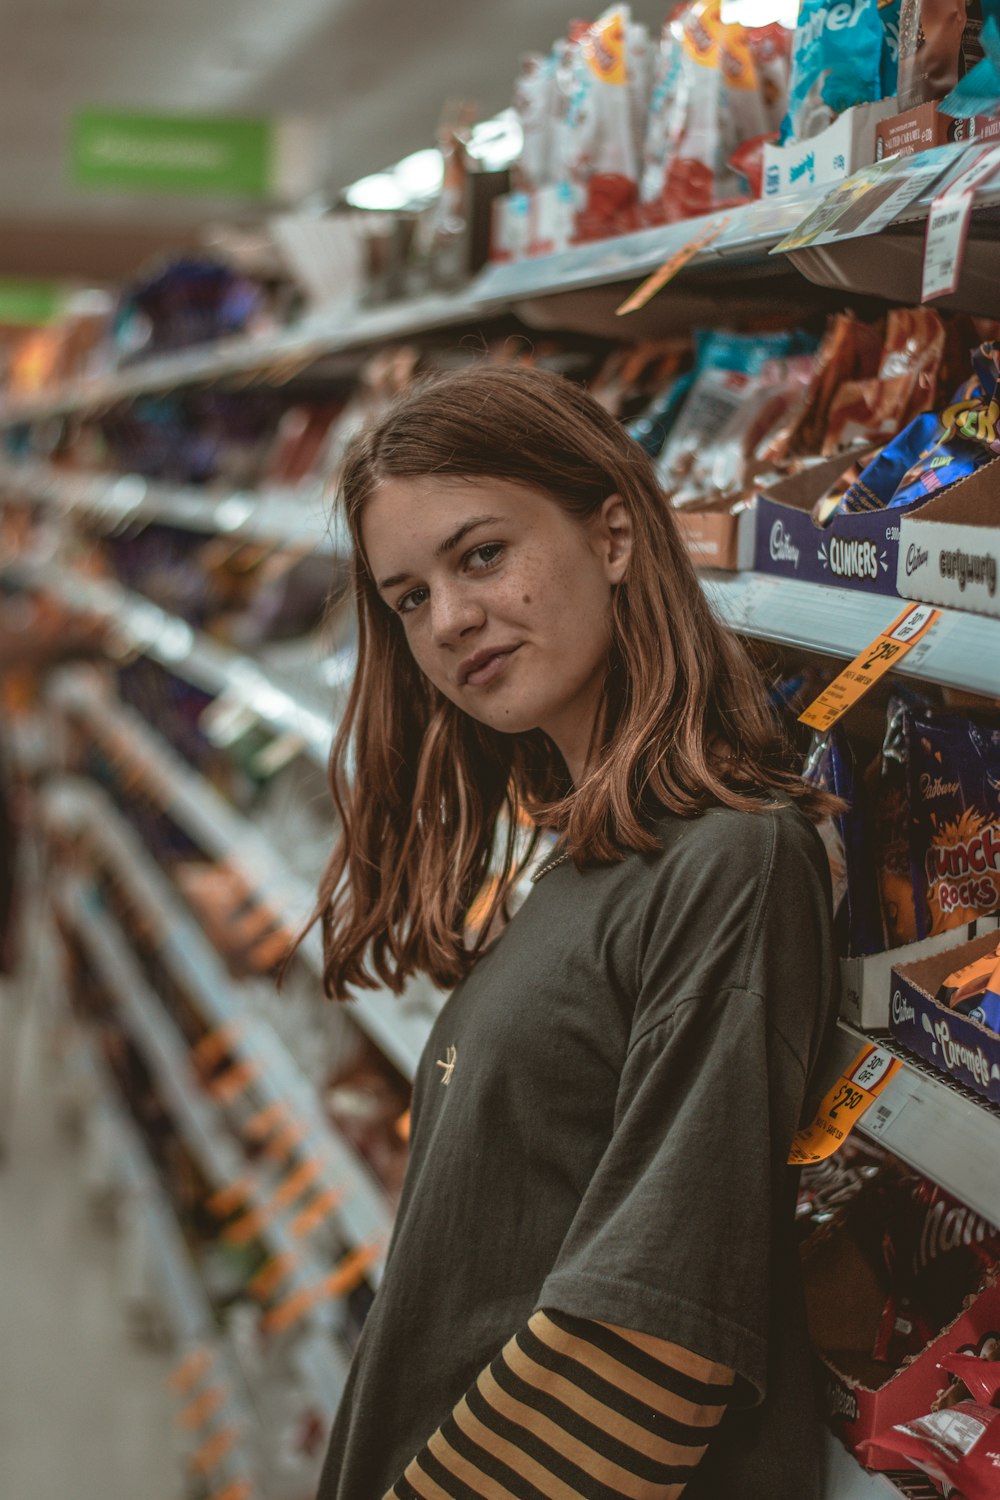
x: 937, y: 449
x: 888, y: 11
x: 837, y: 61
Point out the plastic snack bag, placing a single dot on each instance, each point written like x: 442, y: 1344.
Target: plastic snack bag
x: 836, y: 63
x: 939, y: 42
x: 596, y: 151
x: 656, y: 145
x: 889, y: 798
x: 534, y: 105
x: 874, y: 410
x: 830, y: 764
x: 958, y: 1445
x: 954, y: 794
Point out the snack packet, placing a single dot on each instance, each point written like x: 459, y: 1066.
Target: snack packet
x: 667, y: 68
x: 870, y: 411
x: 597, y: 152
x: 971, y: 981
x: 850, y: 351
x: 936, y: 451
x: 830, y: 764
x: 939, y: 42
x: 534, y: 106
x: 954, y: 795
x: 957, y: 1447
x: 727, y: 464
x: 890, y: 803
x: 836, y: 63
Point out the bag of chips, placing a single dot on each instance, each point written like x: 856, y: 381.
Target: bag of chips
x: 836, y: 63
x: 871, y: 411
x: 830, y: 765
x: 939, y: 42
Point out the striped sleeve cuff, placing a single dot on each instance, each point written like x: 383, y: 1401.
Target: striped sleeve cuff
x: 572, y: 1408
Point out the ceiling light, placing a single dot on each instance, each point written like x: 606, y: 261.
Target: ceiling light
x: 380, y: 190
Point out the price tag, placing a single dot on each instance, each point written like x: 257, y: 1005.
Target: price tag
x: 885, y: 652
x: 655, y: 283
x: 211, y: 1453
x: 855, y: 1090
x: 186, y: 1375
x: 878, y: 1119
x: 944, y: 247
x: 948, y: 224
x: 203, y: 1408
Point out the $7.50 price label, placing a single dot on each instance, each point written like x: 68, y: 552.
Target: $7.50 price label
x: 857, y: 1088
x: 884, y: 653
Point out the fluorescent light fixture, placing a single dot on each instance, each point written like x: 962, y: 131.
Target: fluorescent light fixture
x: 760, y: 12
x: 380, y: 190
x: 421, y: 175
x: 497, y: 142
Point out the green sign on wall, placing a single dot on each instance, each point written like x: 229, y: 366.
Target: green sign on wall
x: 29, y: 303
x: 173, y: 154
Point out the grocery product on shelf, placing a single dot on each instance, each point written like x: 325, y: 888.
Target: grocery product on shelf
x: 838, y: 60
x: 938, y: 44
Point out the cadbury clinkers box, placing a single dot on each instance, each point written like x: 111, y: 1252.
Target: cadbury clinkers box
x: 955, y: 1044
x: 949, y: 550
x: 852, y: 552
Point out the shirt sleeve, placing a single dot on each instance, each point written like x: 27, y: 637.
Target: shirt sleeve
x: 676, y: 1234
x: 575, y: 1408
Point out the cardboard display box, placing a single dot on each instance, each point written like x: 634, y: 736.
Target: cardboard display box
x: 949, y: 549
x: 866, y: 984
x: 956, y: 1045
x: 841, y: 149
x: 852, y: 552
x: 718, y: 536
x: 858, y: 1412
x: 924, y: 127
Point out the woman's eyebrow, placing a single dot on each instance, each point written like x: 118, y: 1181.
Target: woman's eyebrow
x: 448, y: 545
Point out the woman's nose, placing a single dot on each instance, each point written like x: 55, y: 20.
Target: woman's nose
x: 455, y: 613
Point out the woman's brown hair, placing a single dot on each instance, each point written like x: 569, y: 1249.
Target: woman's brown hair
x: 430, y: 799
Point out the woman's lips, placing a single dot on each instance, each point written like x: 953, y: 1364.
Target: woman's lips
x: 490, y: 669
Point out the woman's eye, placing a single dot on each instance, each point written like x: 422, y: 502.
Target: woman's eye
x: 409, y: 602
x: 485, y: 556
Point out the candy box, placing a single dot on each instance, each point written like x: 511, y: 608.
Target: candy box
x: 866, y: 984
x: 852, y: 1308
x: 842, y: 148
x: 949, y: 549
x: 856, y: 552
x: 858, y: 1412
x: 923, y: 127
x: 955, y: 1044
x: 718, y: 535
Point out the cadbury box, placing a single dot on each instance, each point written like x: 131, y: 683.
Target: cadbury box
x: 925, y: 126
x: 866, y: 983
x: 857, y: 1411
x: 852, y: 552
x: 718, y: 536
x: 955, y: 1044
x: 949, y: 549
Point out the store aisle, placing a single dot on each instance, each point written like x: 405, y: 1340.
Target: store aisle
x: 84, y: 1411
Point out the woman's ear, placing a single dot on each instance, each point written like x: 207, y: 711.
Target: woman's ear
x: 616, y: 537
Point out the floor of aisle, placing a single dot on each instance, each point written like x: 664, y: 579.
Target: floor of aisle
x: 84, y: 1409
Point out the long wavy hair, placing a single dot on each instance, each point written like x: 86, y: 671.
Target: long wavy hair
x: 430, y: 800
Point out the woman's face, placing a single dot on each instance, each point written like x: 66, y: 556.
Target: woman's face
x: 504, y: 598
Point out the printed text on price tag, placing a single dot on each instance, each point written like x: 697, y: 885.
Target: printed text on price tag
x: 885, y: 652
x: 857, y: 1088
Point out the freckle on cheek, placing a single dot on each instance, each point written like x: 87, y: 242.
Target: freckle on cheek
x: 526, y: 599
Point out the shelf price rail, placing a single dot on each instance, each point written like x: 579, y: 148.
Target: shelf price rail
x: 364, y: 1216
x: 398, y: 1025
x: 297, y: 516
x: 196, y: 1116
x: 186, y: 652
x: 190, y: 1318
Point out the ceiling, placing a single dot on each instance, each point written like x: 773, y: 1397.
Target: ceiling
x: 372, y: 74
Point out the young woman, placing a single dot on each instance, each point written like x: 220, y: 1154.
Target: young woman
x: 592, y: 1287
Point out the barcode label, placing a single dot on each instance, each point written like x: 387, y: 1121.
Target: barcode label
x: 877, y: 1120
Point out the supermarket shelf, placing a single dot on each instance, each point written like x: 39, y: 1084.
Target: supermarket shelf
x: 189, y: 653
x: 938, y: 1127
x: 292, y: 515
x: 961, y: 650
x: 399, y: 1025
x: 271, y: 357
x: 365, y: 1215
x: 189, y: 1315
x: 845, y: 1479
x: 751, y: 232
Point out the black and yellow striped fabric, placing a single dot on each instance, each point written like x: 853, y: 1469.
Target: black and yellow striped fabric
x: 573, y: 1409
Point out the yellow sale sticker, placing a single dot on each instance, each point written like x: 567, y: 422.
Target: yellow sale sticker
x: 857, y: 1088
x: 885, y: 652
x: 655, y: 283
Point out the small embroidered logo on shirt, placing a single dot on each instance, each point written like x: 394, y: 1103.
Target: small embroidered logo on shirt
x: 448, y: 1065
